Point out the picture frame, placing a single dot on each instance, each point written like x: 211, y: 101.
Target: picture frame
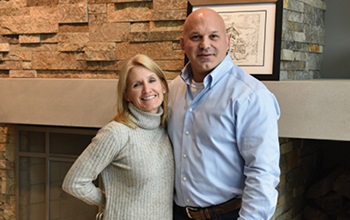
x: 256, y: 29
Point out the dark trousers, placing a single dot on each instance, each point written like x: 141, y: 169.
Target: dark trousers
x: 179, y: 213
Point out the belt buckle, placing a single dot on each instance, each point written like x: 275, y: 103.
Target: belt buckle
x: 188, y: 209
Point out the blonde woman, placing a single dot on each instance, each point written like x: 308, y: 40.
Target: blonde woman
x: 132, y: 153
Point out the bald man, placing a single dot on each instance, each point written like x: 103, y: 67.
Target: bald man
x: 223, y: 127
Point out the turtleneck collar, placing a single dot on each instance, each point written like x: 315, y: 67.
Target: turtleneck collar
x: 145, y: 120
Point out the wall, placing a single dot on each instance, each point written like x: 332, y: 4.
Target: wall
x: 91, y: 39
x: 336, y: 62
x: 302, y: 39
x: 87, y: 39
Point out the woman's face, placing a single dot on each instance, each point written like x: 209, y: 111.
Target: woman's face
x: 144, y: 89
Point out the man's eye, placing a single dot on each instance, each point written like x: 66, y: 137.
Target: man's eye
x: 214, y: 36
x: 195, y: 38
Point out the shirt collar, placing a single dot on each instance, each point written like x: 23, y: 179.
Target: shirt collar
x: 213, y: 77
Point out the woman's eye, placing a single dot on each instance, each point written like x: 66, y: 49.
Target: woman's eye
x: 152, y: 80
x: 135, y: 85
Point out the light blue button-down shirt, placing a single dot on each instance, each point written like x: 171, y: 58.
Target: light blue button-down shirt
x: 225, y: 141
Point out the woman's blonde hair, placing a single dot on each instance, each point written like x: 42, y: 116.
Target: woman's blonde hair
x: 122, y: 114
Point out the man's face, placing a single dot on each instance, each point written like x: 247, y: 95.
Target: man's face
x: 205, y: 43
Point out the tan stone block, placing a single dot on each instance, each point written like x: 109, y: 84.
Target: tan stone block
x: 4, y: 47
x: 15, y: 11
x: 74, y: 28
x: 176, y: 46
x: 29, y: 38
x: 72, y: 1
x: 140, y: 26
x: 28, y: 24
x: 316, y: 48
x: 12, y: 4
x: 71, y: 47
x: 97, y: 46
x: 73, y: 13
x: 48, y: 38
x: 27, y: 65
x: 97, y: 19
x: 156, y: 50
x: 101, y: 66
x: 178, y: 55
x: 169, y: 15
x: 171, y: 64
x: 171, y: 74
x: 97, y: 8
x: 109, y: 32
x: 10, y: 65
x: 23, y: 73
x: 79, y: 38
x: 54, y: 61
x: 155, y: 36
x: 166, y: 25
x: 180, y: 4
x: 129, y: 12
x: 31, y: 3
x: 97, y: 56
x: 34, y: 47
x: 166, y: 4
x: 11, y: 39
x: 117, y: 1
x: 49, y: 12
x: 15, y: 55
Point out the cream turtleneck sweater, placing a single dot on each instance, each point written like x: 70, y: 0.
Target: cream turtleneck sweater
x: 136, y: 166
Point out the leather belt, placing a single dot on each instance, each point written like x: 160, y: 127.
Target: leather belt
x: 213, y: 211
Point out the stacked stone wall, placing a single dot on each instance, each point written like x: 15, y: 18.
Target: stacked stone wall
x: 303, y: 39
x: 87, y: 39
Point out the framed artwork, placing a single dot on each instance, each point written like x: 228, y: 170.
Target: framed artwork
x: 255, y: 27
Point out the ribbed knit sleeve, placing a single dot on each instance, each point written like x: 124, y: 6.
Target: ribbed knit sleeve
x: 96, y: 157
x: 136, y: 166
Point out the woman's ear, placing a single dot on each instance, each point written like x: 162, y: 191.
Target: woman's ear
x: 164, y: 88
x: 126, y: 97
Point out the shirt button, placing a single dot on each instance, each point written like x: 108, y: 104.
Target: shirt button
x: 185, y: 155
x: 184, y: 178
x: 187, y: 132
x: 187, y: 200
x: 191, y: 110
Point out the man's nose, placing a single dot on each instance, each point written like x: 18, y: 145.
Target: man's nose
x: 205, y: 43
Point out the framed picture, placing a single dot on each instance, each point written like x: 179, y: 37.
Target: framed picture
x: 255, y: 27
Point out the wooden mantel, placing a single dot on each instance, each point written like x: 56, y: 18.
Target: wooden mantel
x: 311, y: 109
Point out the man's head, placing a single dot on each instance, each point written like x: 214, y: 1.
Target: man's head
x: 204, y: 41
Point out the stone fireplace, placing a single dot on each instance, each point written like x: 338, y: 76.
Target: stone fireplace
x: 60, y: 73
x: 303, y: 139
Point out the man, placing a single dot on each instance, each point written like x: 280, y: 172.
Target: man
x: 223, y: 126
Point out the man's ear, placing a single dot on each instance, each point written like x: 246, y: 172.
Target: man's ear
x: 182, y: 43
x: 228, y: 41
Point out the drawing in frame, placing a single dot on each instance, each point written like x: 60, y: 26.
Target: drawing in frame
x: 255, y: 27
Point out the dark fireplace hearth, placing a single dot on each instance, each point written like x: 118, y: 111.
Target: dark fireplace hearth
x: 328, y: 197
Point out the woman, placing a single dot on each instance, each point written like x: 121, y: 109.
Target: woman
x: 132, y: 153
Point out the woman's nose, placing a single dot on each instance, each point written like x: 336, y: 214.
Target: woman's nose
x: 146, y: 88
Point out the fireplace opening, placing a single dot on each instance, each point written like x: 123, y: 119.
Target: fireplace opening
x: 328, y: 195
x: 44, y: 156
